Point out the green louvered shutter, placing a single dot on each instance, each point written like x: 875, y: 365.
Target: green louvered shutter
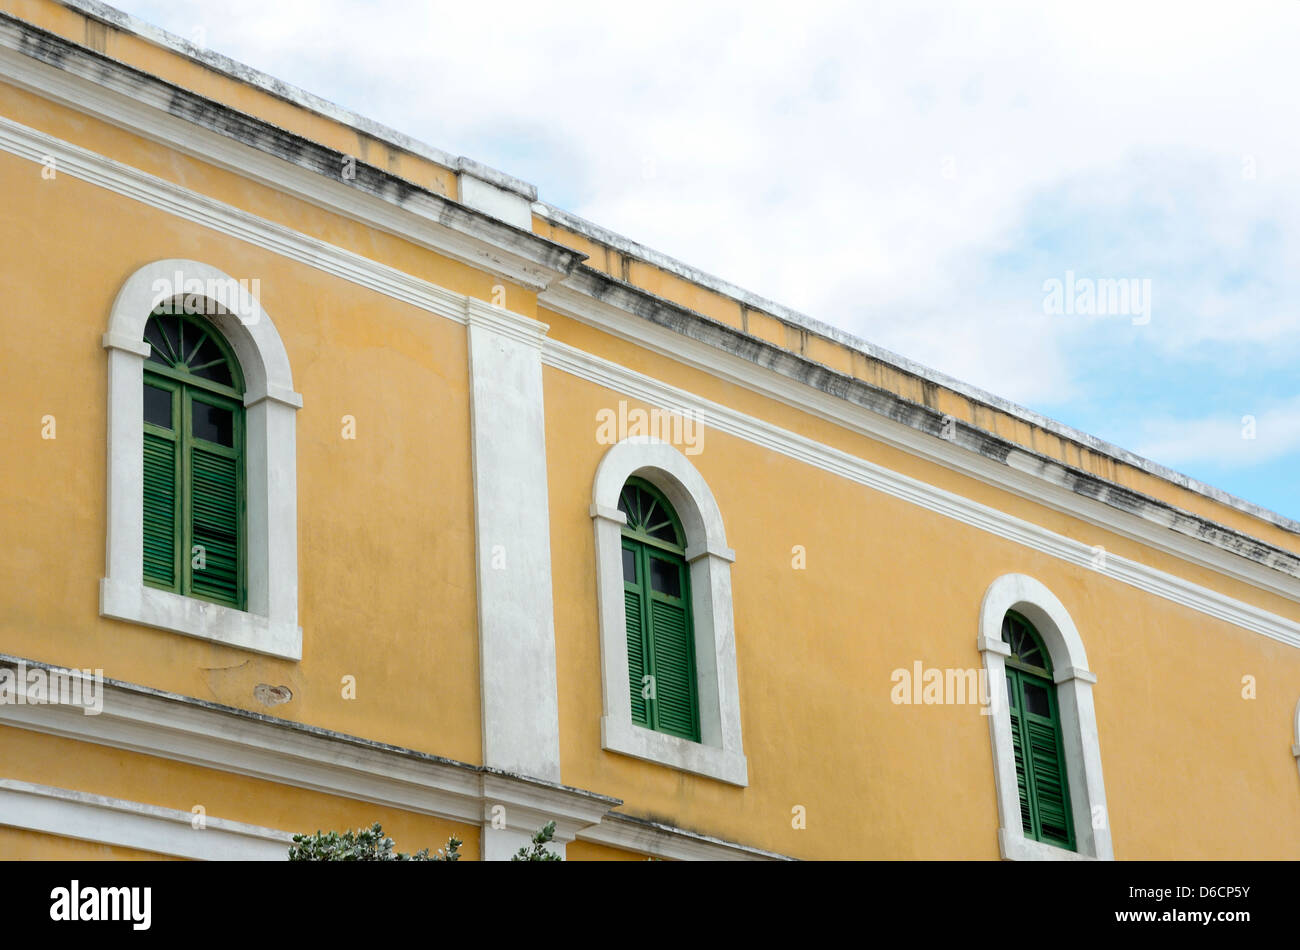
x: 161, y: 502
x: 214, y: 507
x: 673, y: 650
x: 656, y: 599
x: 1051, y: 797
x: 1040, y: 761
x: 1017, y: 743
x: 634, y: 611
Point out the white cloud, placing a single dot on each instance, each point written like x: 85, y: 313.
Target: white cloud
x: 1226, y: 440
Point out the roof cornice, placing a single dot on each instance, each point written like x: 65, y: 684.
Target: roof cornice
x: 90, y: 82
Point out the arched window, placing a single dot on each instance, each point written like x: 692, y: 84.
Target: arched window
x: 1046, y: 752
x: 193, y: 460
x: 1036, y: 736
x: 201, y: 452
x: 663, y: 585
x: 657, y: 602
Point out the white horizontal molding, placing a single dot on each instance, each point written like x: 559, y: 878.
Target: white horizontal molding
x: 1023, y: 473
x: 675, y: 844
x: 145, y: 105
x: 639, y: 386
x: 95, y: 169
x: 129, y: 824
x: 152, y: 723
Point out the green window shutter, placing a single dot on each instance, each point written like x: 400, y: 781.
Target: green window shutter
x: 674, y: 670
x: 1051, y: 796
x: 633, y: 602
x: 1041, y: 779
x: 161, y: 504
x: 193, y: 461
x: 214, y: 525
x: 1017, y: 743
x: 656, y: 599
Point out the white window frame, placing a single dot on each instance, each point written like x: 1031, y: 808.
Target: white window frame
x: 719, y: 754
x: 1295, y: 748
x: 270, y: 624
x: 1078, y: 721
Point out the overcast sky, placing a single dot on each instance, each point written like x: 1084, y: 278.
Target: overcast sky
x: 916, y: 173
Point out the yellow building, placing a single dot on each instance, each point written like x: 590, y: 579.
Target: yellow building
x: 378, y: 490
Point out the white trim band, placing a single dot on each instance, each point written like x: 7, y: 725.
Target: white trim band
x: 130, y: 824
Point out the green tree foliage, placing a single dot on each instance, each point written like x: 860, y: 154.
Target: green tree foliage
x: 538, y: 851
x: 371, y: 844
x: 364, y: 844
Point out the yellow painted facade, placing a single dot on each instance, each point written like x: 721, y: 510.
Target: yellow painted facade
x: 391, y: 551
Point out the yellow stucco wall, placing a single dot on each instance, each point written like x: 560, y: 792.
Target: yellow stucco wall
x: 886, y: 584
x: 385, y: 533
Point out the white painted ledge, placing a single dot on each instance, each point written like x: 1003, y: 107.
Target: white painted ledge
x: 1016, y: 847
x: 130, y: 824
x: 163, y: 610
x: 627, y: 738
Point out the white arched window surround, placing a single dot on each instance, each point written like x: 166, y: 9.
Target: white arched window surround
x: 270, y: 624
x: 719, y: 753
x: 1074, y: 683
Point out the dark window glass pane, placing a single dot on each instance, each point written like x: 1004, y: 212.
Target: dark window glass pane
x: 209, y: 363
x: 1011, y: 693
x: 665, y: 532
x: 629, y: 566
x: 214, y: 424
x: 664, y: 577
x: 1036, y: 700
x: 160, y: 352
x: 158, y: 406
x: 218, y: 373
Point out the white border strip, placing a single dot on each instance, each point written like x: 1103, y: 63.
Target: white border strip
x: 91, y: 167
x: 131, y: 824
x: 676, y: 845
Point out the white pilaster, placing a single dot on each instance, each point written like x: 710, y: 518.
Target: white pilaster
x: 521, y: 729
